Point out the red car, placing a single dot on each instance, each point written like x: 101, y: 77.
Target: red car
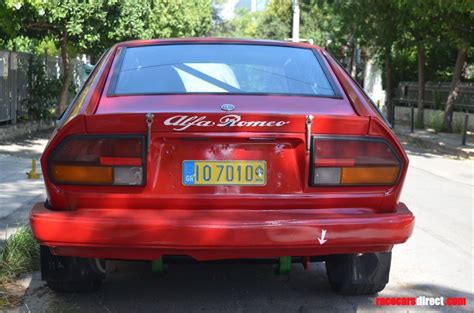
x: 220, y: 149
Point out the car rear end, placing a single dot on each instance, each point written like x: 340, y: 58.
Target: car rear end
x: 222, y: 149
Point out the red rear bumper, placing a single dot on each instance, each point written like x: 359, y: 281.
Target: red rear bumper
x: 218, y: 234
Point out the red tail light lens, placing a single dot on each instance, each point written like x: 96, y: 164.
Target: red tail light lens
x: 353, y: 161
x: 94, y: 160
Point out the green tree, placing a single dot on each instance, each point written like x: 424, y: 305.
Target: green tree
x: 243, y: 25
x: 147, y: 19
x: 321, y: 23
x: 275, y: 22
x: 420, y: 21
x: 89, y: 26
x: 377, y: 24
x: 458, y: 26
x: 70, y: 23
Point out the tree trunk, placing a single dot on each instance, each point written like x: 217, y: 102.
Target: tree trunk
x: 421, y: 84
x: 350, y: 54
x: 388, y: 85
x: 93, y: 57
x: 354, y: 62
x: 453, y: 93
x: 64, y: 94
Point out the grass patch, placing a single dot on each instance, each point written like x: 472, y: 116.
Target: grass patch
x: 19, y: 255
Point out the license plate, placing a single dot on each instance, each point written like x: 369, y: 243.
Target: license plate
x: 216, y: 173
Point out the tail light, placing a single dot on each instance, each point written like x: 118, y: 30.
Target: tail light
x: 353, y: 161
x: 98, y: 160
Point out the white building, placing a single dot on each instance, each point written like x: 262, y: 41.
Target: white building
x: 229, y: 8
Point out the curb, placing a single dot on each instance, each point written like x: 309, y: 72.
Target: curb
x: 13, y: 132
x: 430, y: 144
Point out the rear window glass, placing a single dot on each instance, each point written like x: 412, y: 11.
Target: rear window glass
x: 220, y: 68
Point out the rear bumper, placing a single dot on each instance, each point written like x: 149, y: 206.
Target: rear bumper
x: 218, y: 234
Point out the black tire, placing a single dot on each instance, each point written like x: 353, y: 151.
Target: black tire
x: 71, y: 274
x: 358, y: 274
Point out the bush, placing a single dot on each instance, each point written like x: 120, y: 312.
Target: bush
x: 43, y: 91
x: 437, y: 121
x: 458, y: 125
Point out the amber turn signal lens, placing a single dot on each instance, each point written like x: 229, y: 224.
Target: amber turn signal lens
x: 99, y: 160
x: 354, y: 161
x: 369, y: 175
x: 82, y: 174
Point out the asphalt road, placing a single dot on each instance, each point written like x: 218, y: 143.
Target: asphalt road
x: 436, y: 261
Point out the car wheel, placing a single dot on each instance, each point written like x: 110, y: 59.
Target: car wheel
x: 358, y: 274
x: 71, y: 274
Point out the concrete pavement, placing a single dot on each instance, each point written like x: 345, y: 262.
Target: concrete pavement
x: 17, y: 193
x: 440, y: 142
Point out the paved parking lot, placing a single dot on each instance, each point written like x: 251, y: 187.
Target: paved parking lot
x: 436, y: 261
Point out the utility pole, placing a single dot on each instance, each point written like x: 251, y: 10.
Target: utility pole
x: 295, y: 36
x: 253, y: 6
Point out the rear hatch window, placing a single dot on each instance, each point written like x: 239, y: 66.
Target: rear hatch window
x: 220, y: 68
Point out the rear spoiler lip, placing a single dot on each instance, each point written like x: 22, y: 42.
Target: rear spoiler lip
x: 206, y: 102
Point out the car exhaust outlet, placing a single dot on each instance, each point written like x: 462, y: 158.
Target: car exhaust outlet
x: 309, y: 122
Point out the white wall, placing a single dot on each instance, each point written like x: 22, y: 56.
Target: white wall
x: 404, y: 114
x: 373, y: 82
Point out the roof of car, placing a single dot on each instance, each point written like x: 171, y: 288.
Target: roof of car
x: 204, y: 40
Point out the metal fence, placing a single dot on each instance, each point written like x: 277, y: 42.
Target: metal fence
x: 15, y: 80
x: 436, y: 95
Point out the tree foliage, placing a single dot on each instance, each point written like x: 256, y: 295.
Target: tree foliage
x: 147, y: 19
x: 321, y: 23
x: 94, y: 25
x: 275, y: 22
x: 412, y: 39
x: 243, y: 26
x: 428, y: 40
x: 42, y: 91
x: 81, y: 20
x: 90, y: 26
